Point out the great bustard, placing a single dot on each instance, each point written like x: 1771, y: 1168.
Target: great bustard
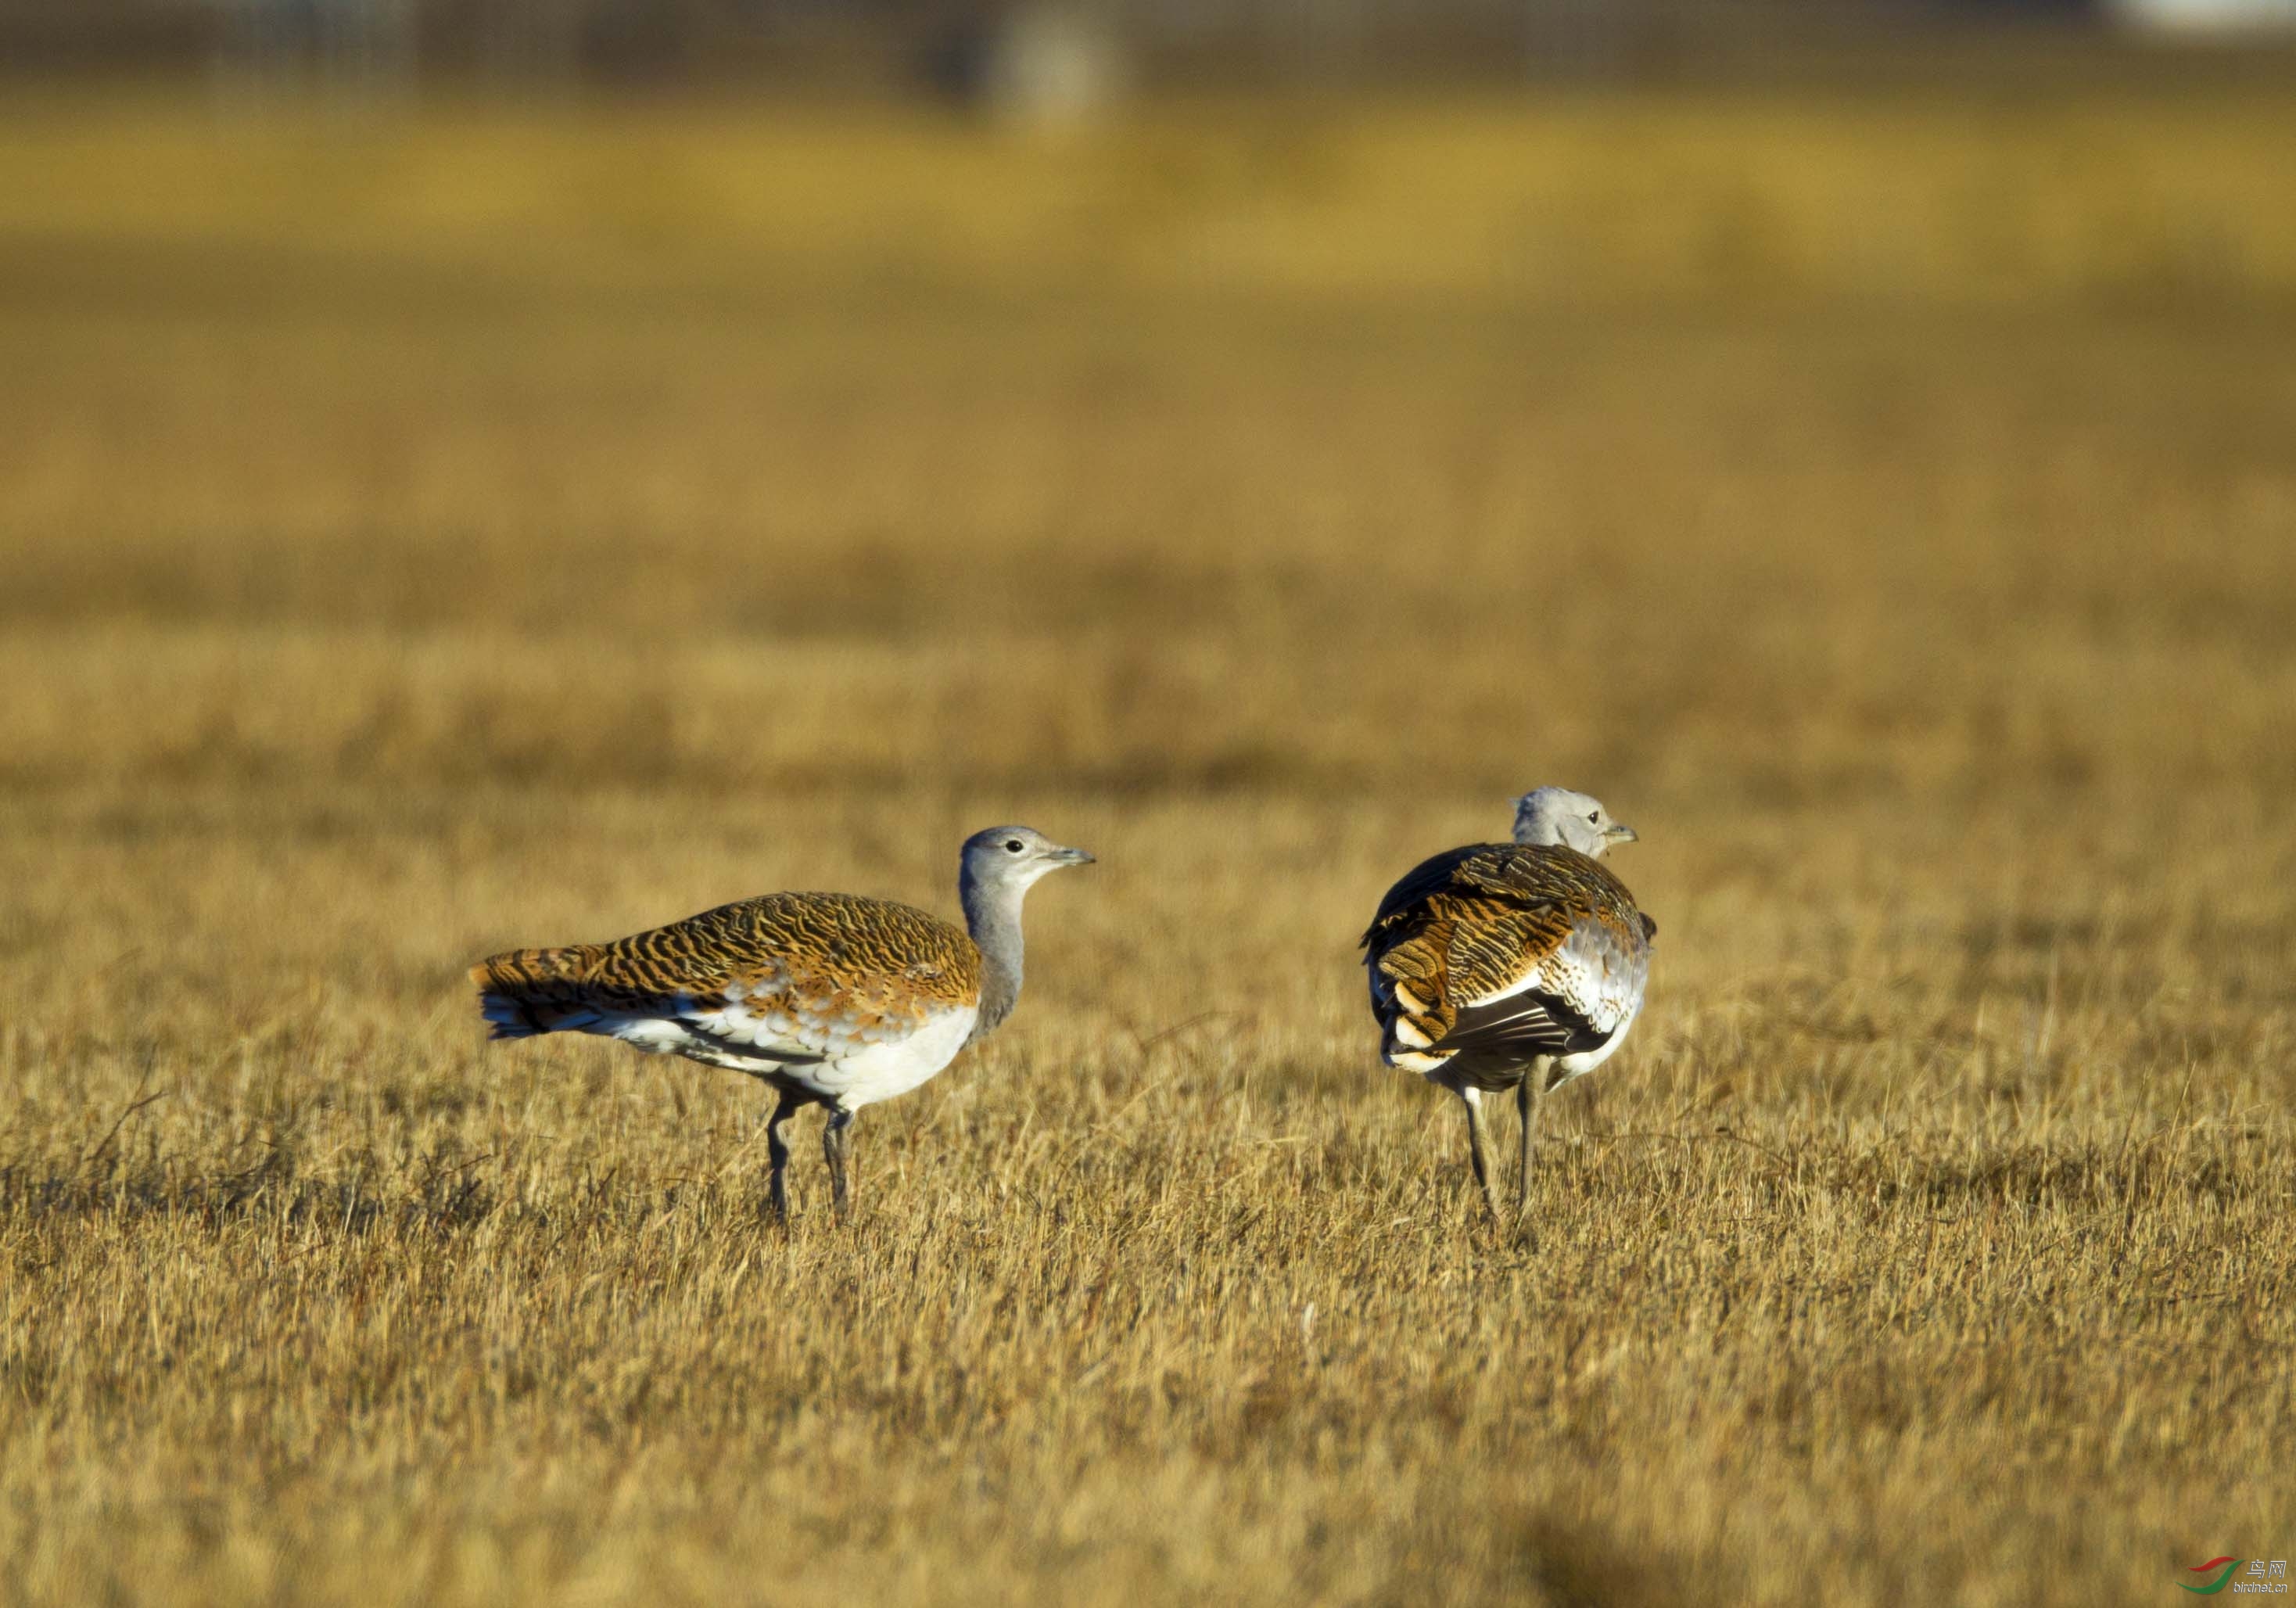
x: 833, y: 1000
x: 1516, y: 966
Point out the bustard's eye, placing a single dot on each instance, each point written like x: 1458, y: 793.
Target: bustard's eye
x: 1012, y: 845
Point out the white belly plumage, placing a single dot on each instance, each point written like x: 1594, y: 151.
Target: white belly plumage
x: 848, y: 1065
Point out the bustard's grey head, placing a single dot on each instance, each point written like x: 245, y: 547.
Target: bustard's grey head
x: 1015, y: 856
x: 1556, y: 814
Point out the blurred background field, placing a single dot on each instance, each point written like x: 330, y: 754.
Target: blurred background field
x: 445, y: 511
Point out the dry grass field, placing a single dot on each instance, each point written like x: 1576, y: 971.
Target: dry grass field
x: 420, y: 537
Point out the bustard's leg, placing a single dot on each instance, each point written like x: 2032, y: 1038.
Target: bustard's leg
x: 833, y: 1147
x: 1473, y: 1099
x: 777, y: 1153
x: 1530, y: 1095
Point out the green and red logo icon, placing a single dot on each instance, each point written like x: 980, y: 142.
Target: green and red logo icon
x: 2221, y: 1568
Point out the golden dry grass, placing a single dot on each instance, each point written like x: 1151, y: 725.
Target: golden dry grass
x: 1932, y: 1242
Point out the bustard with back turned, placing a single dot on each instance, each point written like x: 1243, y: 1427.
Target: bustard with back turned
x: 1520, y: 965
x: 833, y: 1000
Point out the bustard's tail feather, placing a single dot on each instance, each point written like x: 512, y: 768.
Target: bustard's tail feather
x: 529, y: 991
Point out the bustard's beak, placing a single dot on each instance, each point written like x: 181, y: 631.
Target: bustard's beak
x: 1070, y: 857
x: 1622, y: 834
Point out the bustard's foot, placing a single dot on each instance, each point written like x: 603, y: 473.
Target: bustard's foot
x: 1489, y: 1190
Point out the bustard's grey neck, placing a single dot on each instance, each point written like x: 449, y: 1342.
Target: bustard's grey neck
x: 992, y: 914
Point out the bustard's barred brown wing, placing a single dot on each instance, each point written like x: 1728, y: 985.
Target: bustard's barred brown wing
x: 1485, y: 958
x: 790, y: 978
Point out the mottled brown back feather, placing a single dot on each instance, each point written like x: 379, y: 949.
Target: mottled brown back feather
x: 840, y: 939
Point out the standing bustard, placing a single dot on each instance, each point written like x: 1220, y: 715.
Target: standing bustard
x: 1514, y: 966
x: 834, y: 999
